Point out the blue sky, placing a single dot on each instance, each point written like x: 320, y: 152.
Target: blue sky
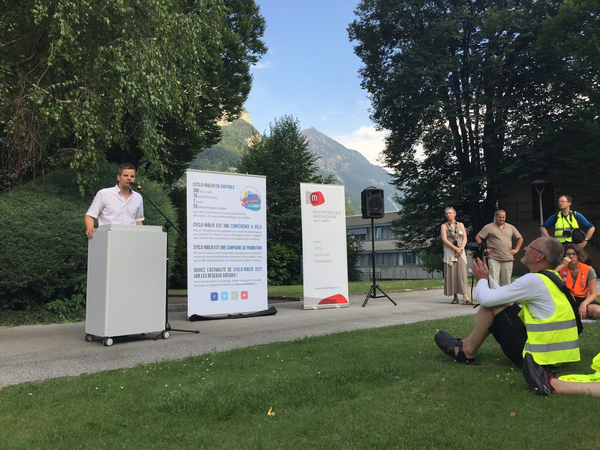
x: 311, y: 73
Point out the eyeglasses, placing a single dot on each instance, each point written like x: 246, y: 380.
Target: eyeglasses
x: 568, y: 255
x: 533, y: 248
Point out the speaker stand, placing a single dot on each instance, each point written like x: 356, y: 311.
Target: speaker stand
x: 374, y: 288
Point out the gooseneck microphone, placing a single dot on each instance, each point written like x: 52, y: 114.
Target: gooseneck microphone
x: 131, y: 183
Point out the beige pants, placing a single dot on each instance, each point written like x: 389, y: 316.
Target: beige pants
x: 500, y: 271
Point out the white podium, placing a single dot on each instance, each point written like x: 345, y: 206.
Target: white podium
x: 126, y: 281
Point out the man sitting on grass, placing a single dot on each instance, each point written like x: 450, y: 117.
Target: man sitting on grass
x: 545, y: 326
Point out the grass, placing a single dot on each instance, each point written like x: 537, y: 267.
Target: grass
x: 385, y: 388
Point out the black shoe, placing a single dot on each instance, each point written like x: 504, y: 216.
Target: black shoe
x: 447, y: 344
x: 537, y: 377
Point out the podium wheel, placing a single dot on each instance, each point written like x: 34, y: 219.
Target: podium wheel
x: 165, y: 335
x: 107, y: 342
x: 89, y: 337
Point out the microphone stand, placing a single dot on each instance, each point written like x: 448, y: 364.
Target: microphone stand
x: 168, y: 224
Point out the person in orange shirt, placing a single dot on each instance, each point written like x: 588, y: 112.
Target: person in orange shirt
x: 581, y: 281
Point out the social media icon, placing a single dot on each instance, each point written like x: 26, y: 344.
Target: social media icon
x: 234, y: 295
x: 214, y: 296
x: 224, y: 296
x: 244, y: 295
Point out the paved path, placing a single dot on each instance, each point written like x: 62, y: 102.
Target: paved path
x: 41, y: 352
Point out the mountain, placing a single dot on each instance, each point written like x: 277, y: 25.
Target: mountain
x: 350, y: 168
x: 225, y: 156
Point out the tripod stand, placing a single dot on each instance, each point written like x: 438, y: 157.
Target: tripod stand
x: 373, y: 291
x: 168, y: 224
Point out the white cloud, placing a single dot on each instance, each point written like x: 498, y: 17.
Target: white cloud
x: 262, y: 65
x: 367, y: 141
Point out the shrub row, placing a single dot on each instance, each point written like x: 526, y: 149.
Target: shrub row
x: 43, y: 246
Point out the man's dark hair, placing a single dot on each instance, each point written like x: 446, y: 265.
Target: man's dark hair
x: 581, y: 254
x: 125, y: 166
x: 568, y: 197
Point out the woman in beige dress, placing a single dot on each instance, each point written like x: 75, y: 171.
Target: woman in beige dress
x: 454, y: 238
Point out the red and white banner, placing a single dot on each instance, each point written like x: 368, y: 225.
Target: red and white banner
x: 324, y: 246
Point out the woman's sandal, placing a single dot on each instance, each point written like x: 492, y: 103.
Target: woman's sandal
x: 467, y: 301
x: 454, y: 301
x: 447, y: 344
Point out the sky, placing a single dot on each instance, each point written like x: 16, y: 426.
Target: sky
x: 310, y: 72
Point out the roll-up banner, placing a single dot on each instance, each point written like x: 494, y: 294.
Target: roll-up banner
x: 324, y: 246
x: 226, y: 242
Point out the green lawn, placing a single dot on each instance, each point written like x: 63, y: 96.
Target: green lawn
x: 385, y: 388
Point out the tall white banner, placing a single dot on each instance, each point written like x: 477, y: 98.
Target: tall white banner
x: 324, y: 246
x: 226, y: 243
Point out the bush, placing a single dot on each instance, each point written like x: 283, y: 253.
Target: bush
x: 280, y: 259
x: 42, y: 237
x: 178, y: 268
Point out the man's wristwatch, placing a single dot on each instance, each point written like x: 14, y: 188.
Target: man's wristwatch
x: 586, y: 239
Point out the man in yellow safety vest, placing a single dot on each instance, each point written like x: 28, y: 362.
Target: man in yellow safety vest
x: 544, y: 324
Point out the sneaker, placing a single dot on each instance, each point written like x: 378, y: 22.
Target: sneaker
x: 537, y: 377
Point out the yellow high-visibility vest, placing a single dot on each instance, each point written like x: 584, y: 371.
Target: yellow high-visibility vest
x: 554, y: 340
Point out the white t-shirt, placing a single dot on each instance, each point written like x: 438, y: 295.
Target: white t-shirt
x: 530, y: 289
x: 109, y: 206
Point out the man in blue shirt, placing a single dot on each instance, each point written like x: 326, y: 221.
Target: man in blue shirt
x: 566, y: 221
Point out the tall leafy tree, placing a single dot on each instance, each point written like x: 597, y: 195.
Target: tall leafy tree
x: 283, y: 157
x: 137, y: 80
x: 468, y: 83
x: 563, y: 133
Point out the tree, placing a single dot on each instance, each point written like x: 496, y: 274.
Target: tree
x: 353, y: 250
x: 284, y: 158
x: 565, y: 133
x: 470, y: 84
x: 138, y: 80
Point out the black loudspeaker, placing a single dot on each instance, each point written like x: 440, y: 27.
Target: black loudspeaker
x: 372, y: 203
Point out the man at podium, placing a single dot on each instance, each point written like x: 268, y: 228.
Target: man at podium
x: 118, y: 204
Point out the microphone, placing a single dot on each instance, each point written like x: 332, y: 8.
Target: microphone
x: 131, y: 183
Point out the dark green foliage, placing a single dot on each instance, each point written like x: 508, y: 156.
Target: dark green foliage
x: 178, y: 264
x: 433, y: 259
x: 487, y: 90
x: 353, y: 250
x: 143, y: 81
x: 66, y: 308
x: 284, y: 158
x: 42, y: 240
x: 283, y: 265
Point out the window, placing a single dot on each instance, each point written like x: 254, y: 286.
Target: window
x: 358, y: 233
x: 382, y: 232
x: 410, y: 259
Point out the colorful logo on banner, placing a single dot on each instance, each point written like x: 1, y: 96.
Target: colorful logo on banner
x: 315, y: 198
x: 250, y: 199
